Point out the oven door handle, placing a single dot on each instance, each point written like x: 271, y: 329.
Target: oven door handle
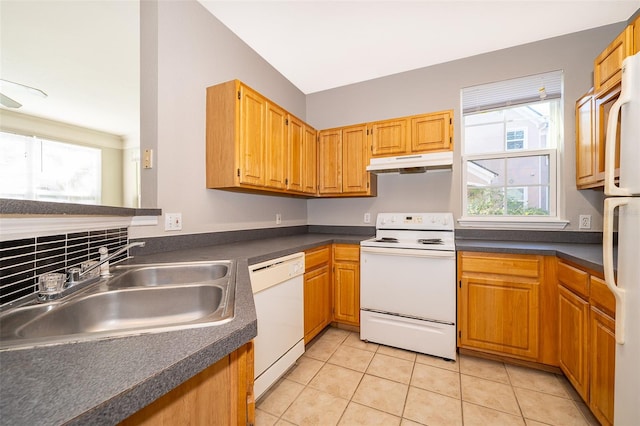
x: 439, y: 254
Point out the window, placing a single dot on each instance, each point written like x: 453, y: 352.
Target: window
x: 39, y: 169
x: 511, y: 131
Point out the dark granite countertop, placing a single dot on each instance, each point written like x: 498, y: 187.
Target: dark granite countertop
x: 586, y: 255
x: 103, y: 382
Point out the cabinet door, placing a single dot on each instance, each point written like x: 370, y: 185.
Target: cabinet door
x: 432, y: 132
x: 499, y: 315
x: 607, y: 67
x: 603, y: 103
x: 310, y: 161
x: 573, y: 334
x: 346, y: 294
x: 252, y: 137
x: 317, y: 301
x: 585, y: 142
x: 330, y: 161
x: 275, y: 147
x: 296, y: 156
x: 389, y: 138
x: 636, y: 35
x: 355, y: 158
x: 602, y: 366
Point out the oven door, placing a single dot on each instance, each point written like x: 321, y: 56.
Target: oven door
x: 414, y: 283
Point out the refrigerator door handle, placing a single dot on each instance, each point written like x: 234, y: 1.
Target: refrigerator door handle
x: 610, y: 188
x: 610, y: 205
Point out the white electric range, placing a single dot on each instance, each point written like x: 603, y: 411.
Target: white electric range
x: 408, y: 283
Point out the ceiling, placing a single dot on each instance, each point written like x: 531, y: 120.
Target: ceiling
x: 319, y: 45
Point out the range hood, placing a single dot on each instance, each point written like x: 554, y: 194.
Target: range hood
x: 418, y: 163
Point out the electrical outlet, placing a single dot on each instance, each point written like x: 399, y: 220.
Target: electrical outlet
x: 173, y: 221
x: 585, y: 221
x: 278, y: 218
x: 367, y: 218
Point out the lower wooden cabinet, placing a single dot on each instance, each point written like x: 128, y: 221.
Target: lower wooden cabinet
x: 602, y: 365
x: 317, y: 291
x: 499, y: 303
x: 573, y: 325
x: 222, y: 394
x: 346, y: 281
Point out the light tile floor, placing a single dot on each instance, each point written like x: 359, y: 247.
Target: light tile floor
x: 342, y: 380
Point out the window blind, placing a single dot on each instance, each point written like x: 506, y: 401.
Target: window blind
x: 517, y: 91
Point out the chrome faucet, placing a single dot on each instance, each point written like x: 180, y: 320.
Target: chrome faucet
x: 74, y: 275
x: 55, y: 285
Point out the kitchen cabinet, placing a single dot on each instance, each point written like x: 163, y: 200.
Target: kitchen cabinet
x: 346, y: 284
x: 222, y: 394
x: 587, y: 337
x: 607, y: 66
x: 499, y: 303
x: 573, y: 324
x: 343, y: 155
x: 585, y: 142
x: 432, y: 132
x: 302, y: 156
x: 602, y: 365
x: 412, y: 134
x: 276, y: 149
x: 389, y: 138
x: 317, y: 291
x: 252, y: 147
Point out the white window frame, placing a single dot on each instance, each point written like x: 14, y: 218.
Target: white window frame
x: 552, y: 222
x: 524, y: 138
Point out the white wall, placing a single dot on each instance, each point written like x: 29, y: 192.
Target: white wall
x: 194, y: 51
x: 438, y: 88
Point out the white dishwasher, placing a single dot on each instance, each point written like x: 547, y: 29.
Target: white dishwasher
x: 278, y: 294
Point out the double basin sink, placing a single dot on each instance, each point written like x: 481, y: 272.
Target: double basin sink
x: 137, y: 299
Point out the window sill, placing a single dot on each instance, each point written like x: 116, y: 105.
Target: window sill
x: 513, y: 223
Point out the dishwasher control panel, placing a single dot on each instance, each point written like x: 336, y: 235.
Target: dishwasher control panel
x: 276, y: 271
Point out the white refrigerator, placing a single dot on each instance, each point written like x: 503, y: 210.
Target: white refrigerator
x: 623, y: 201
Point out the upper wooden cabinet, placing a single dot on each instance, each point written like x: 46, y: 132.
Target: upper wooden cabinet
x: 302, y: 155
x: 343, y: 155
x: 389, y: 138
x: 585, y: 142
x: 432, y: 132
x: 592, y: 110
x: 255, y: 145
x: 412, y: 135
x: 607, y: 66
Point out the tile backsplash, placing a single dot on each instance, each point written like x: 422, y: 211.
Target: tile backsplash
x: 23, y: 260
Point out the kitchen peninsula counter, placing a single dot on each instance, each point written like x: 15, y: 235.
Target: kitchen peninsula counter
x: 105, y: 381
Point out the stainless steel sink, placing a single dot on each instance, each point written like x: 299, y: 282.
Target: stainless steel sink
x: 163, y: 274
x: 137, y: 299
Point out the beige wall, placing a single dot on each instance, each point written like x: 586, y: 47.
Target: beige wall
x: 194, y: 51
x: 437, y: 88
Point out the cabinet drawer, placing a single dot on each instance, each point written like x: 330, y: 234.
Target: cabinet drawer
x: 607, y: 66
x: 346, y: 252
x: 602, y: 297
x: 502, y: 264
x: 316, y: 257
x: 574, y: 279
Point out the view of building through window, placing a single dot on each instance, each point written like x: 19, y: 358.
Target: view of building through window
x: 509, y: 158
x: 39, y: 169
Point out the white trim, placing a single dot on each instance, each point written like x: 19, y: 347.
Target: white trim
x: 14, y: 228
x: 511, y: 222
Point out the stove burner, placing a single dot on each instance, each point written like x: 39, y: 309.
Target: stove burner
x: 386, y: 240
x: 430, y: 241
